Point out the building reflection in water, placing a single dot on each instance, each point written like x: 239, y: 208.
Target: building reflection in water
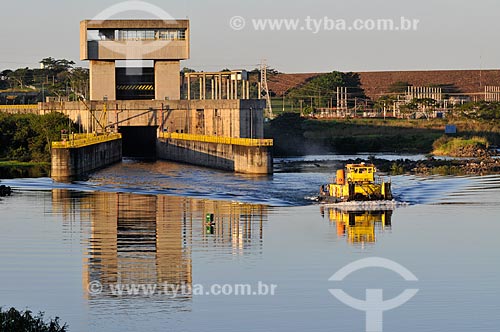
x: 359, y: 227
x: 147, y: 239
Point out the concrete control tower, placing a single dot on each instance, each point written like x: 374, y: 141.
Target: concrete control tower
x: 163, y: 42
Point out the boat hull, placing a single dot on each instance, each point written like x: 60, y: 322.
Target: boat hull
x: 336, y: 193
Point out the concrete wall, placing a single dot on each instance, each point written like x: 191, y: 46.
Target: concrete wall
x: 167, y: 80
x: 138, y: 50
x: 102, y: 80
x: 253, y: 159
x: 241, y: 159
x: 226, y: 117
x: 72, y: 163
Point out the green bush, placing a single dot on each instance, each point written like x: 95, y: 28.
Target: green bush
x: 27, y: 137
x: 397, y: 169
x: 23, y: 321
x: 459, y: 146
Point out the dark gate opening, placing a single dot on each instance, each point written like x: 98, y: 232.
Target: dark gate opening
x: 139, y: 142
x: 135, y: 83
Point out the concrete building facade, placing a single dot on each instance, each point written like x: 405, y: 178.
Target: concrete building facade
x: 163, y: 42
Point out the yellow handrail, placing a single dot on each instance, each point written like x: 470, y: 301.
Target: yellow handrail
x: 80, y: 140
x: 219, y: 139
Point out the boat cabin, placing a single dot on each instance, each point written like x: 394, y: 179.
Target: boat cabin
x: 360, y: 172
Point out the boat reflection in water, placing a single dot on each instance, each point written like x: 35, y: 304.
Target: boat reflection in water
x: 359, y: 227
x: 149, y: 239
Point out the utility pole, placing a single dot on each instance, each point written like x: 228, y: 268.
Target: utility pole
x: 264, y: 90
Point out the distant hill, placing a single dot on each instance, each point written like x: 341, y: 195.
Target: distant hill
x: 376, y: 84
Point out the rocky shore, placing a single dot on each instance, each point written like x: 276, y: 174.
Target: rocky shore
x: 459, y: 166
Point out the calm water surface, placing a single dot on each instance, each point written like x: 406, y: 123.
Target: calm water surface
x: 144, y: 224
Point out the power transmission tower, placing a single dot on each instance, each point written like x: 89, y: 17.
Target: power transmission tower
x: 264, y: 90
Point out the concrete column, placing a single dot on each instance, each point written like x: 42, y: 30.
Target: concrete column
x: 188, y: 87
x: 204, y: 87
x: 201, y: 88
x: 102, y: 80
x: 248, y: 89
x: 220, y: 86
x: 216, y: 86
x: 167, y: 80
x: 213, y: 88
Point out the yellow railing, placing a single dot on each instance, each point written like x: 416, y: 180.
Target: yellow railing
x: 18, y: 107
x: 80, y: 140
x: 219, y: 139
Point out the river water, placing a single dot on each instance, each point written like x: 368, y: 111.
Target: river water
x: 106, y: 254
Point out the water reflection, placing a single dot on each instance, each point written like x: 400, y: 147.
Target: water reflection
x: 149, y: 239
x: 359, y: 227
x: 24, y: 171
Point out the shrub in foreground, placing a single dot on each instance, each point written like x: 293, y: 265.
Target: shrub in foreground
x: 13, y: 320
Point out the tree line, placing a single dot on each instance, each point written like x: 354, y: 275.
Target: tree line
x: 55, y: 77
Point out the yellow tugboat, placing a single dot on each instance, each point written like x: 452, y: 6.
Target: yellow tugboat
x: 357, y: 182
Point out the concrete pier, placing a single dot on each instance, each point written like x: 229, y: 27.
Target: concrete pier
x: 250, y: 156
x: 75, y: 159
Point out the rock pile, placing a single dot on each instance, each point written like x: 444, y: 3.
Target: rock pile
x: 5, y: 190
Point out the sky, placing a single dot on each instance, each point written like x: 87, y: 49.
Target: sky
x: 450, y: 34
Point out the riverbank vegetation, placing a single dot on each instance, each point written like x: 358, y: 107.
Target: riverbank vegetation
x: 460, y: 146
x: 27, y: 137
x: 296, y: 135
x: 15, y: 169
x: 20, y: 321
